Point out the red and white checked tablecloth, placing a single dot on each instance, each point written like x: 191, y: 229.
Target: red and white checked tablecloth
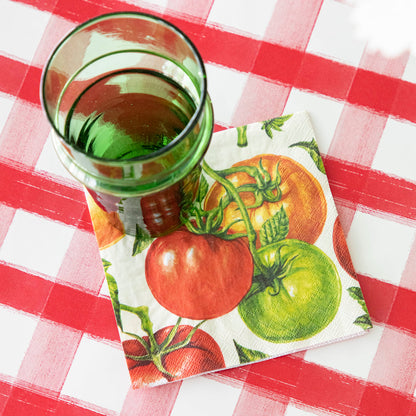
x: 59, y: 346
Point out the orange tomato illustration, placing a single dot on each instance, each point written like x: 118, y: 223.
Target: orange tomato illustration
x: 302, y: 198
x: 108, y: 227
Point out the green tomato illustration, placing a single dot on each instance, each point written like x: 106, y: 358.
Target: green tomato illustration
x: 298, y: 298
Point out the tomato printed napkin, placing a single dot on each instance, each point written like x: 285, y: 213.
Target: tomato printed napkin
x: 260, y: 269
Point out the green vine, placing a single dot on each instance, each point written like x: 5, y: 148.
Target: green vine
x: 233, y: 192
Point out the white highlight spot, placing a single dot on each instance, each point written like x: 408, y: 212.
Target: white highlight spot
x: 168, y: 259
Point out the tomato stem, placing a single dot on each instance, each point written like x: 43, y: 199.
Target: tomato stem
x: 155, y: 352
x: 185, y: 341
x: 171, y: 334
x: 209, y: 222
x: 198, y: 219
x: 232, y: 191
x: 157, y: 361
x: 142, y: 312
x: 264, y: 189
x: 242, y: 136
x: 140, y: 339
x: 147, y: 357
x: 252, y: 171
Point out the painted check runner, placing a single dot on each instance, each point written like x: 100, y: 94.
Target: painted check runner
x: 57, y: 321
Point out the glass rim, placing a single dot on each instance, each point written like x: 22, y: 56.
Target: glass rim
x: 189, y: 126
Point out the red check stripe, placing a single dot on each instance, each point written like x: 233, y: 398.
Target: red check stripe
x: 403, y: 314
x: 87, y: 312
x: 330, y: 78
x: 24, y: 401
x: 12, y: 75
x: 379, y: 297
x: 57, y: 302
x: 287, y: 380
x: 390, y: 304
x: 380, y: 93
x: 289, y: 376
x: 370, y: 188
x: 23, y: 290
x: 22, y: 187
x: 373, y: 90
x: 405, y: 103
x: 30, y: 190
x: 318, y: 387
x: 27, y: 92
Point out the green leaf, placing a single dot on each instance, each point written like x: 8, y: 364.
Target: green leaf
x: 275, y: 124
x: 141, y: 241
x: 268, y: 130
x: 364, y: 321
x: 278, y: 122
x: 356, y: 293
x: 106, y: 264
x: 246, y: 355
x: 275, y: 228
x: 312, y: 148
x: 242, y: 136
x: 113, y: 288
x: 202, y: 189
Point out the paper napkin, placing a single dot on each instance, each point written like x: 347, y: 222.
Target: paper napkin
x: 261, y: 270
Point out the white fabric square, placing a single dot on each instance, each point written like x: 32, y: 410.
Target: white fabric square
x: 48, y: 160
x: 390, y: 157
x: 324, y: 114
x: 203, y: 394
x: 353, y: 356
x: 160, y: 4
x: 104, y: 291
x: 334, y: 34
x: 36, y: 243
x: 98, y: 375
x: 244, y: 15
x: 409, y: 73
x: 16, y: 333
x: 379, y: 247
x: 6, y: 105
x: 225, y: 87
x: 25, y: 25
x: 295, y: 411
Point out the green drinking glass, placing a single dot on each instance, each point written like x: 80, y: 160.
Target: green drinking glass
x: 126, y: 95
